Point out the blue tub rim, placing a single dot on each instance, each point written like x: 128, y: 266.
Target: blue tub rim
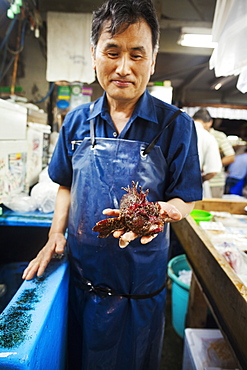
x: 173, y: 276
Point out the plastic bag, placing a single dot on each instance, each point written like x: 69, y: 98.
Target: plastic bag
x: 20, y: 203
x: 237, y: 260
x: 44, y: 194
x: 185, y: 276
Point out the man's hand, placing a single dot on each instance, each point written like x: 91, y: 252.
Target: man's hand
x: 37, y: 266
x: 168, y: 211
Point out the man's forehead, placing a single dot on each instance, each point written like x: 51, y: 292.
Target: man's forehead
x: 107, y: 36
x: 106, y: 27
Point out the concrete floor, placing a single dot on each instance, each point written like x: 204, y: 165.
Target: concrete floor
x: 172, y: 353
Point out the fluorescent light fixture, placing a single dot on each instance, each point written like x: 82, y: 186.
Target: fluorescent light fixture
x: 236, y: 140
x: 197, y: 37
x: 218, y: 86
x: 232, y: 137
x: 219, y: 82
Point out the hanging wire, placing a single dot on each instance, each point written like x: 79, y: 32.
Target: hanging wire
x: 3, y: 60
x: 47, y: 95
x: 7, y: 68
x: 23, y: 29
x: 14, y: 52
x: 8, y: 32
x: 27, y: 12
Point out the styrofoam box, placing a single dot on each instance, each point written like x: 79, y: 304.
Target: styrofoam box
x: 206, y: 349
x: 13, y: 121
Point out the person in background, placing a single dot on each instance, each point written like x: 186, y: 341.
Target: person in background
x: 209, y: 156
x: 227, y: 153
x: 236, y: 175
x: 117, y: 284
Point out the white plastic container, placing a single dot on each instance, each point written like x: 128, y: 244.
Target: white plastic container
x: 206, y: 349
x: 38, y: 137
x: 13, y: 121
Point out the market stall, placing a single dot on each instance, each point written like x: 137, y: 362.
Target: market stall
x: 215, y: 284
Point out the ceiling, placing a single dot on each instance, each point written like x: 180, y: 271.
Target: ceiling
x: 187, y: 68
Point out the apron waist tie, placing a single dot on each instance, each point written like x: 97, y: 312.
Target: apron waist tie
x: 104, y: 291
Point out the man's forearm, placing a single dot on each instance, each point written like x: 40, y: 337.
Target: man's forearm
x: 61, y: 213
x: 208, y: 176
x: 228, y: 160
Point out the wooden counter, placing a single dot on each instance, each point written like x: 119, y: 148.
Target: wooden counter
x: 215, y: 281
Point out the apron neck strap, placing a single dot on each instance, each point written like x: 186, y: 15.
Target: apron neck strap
x: 152, y: 144
x: 92, y: 134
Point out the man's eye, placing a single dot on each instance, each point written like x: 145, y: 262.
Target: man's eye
x: 112, y: 55
x: 135, y: 56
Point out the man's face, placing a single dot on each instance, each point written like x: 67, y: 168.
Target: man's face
x: 125, y: 62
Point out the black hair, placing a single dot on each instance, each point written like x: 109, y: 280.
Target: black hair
x: 202, y: 115
x: 123, y: 13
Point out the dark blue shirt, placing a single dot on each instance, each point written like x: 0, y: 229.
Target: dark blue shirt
x: 178, y: 142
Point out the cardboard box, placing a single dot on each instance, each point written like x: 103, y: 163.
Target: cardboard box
x: 206, y: 349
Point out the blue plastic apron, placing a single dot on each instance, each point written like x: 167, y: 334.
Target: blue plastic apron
x: 116, y: 333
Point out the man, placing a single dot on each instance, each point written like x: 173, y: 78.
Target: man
x: 236, y: 175
x: 209, y: 155
x: 117, y: 295
x: 227, y: 153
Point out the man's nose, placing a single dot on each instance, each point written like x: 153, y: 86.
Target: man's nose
x: 123, y: 65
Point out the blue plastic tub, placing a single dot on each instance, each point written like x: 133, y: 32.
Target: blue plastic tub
x: 180, y: 293
x: 33, y: 326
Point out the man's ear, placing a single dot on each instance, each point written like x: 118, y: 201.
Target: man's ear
x: 93, y: 56
x: 153, y: 64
